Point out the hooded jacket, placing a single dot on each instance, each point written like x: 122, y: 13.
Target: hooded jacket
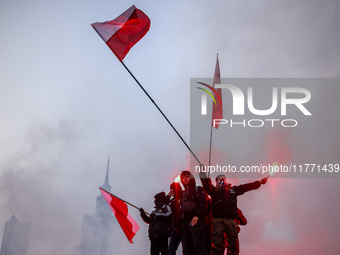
x: 160, y: 218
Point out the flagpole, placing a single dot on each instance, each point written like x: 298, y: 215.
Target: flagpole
x: 122, y: 200
x: 211, y: 126
x: 211, y: 133
x: 160, y: 111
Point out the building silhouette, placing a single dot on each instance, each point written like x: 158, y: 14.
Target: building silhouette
x: 99, y: 235
x: 16, y: 237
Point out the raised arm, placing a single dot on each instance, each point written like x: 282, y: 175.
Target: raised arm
x: 243, y: 188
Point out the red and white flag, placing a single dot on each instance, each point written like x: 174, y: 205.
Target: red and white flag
x: 120, y: 210
x: 124, y: 31
x: 217, y: 112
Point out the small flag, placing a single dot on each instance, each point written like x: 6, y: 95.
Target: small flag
x: 217, y: 112
x: 122, y: 33
x: 120, y: 210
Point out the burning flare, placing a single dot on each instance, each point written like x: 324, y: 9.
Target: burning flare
x: 178, y: 178
x: 273, y: 168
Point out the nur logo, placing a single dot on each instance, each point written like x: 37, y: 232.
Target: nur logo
x: 243, y: 102
x: 239, y: 99
x: 204, y: 97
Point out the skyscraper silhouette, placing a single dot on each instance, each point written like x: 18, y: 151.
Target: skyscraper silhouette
x: 100, y: 234
x: 16, y: 237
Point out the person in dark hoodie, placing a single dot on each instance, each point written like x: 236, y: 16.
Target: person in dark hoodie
x: 193, y: 210
x: 224, y: 211
x: 160, y: 225
x: 175, y: 196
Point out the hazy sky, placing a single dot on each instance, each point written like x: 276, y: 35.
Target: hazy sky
x: 66, y: 104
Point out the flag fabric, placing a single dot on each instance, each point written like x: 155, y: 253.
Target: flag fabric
x: 120, y: 210
x: 122, y: 33
x: 217, y: 112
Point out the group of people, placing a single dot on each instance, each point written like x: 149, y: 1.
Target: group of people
x: 205, y: 219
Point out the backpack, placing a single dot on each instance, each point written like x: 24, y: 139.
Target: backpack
x: 189, y: 207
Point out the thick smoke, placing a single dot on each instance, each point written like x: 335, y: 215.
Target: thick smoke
x: 66, y: 104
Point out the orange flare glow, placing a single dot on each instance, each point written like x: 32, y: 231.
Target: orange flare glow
x: 274, y: 165
x: 178, y: 179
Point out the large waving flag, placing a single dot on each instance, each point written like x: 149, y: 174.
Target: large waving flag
x: 124, y: 31
x: 120, y: 210
x: 217, y: 112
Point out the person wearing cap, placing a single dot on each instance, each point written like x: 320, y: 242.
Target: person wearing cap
x: 193, y: 210
x: 224, y: 211
x: 159, y: 225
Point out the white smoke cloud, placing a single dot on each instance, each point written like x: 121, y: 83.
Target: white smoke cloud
x: 66, y: 104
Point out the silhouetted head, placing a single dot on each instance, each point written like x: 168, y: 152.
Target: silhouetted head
x: 160, y: 198
x: 221, y: 180
x: 187, y: 178
x: 176, y: 188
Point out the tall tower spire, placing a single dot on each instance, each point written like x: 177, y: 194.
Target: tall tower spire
x: 102, y: 208
x: 106, y: 184
x: 99, y: 231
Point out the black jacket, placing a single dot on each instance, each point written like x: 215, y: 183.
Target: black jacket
x: 159, y: 220
x: 224, y: 200
x: 175, y: 205
x: 194, y: 201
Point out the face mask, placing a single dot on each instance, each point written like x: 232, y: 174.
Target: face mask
x: 220, y: 182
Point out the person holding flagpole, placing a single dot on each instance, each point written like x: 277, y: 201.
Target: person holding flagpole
x: 224, y: 211
x: 159, y: 225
